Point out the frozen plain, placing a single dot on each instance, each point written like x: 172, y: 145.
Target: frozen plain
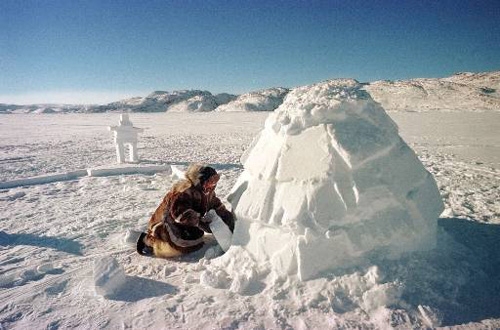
x: 52, y: 234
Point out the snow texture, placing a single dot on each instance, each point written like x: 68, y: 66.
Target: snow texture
x: 52, y: 234
x: 328, y: 181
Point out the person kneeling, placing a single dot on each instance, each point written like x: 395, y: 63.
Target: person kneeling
x: 179, y: 223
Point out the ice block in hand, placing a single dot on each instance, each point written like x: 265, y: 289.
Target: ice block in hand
x: 220, y: 230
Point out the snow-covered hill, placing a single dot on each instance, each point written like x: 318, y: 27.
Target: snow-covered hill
x: 460, y: 92
x: 160, y: 101
x: 487, y: 80
x: 464, y: 91
x: 43, y: 108
x: 264, y: 100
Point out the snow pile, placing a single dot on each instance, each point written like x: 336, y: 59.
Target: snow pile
x: 328, y: 182
x: 264, y: 100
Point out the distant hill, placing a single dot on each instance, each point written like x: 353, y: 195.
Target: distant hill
x: 461, y: 92
x: 464, y: 91
x: 264, y: 100
x: 43, y: 108
x: 160, y: 101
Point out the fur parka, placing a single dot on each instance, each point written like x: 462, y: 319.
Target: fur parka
x: 179, y: 219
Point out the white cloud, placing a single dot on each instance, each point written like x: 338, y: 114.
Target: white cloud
x: 68, y: 97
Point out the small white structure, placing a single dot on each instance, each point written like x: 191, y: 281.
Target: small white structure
x: 126, y: 134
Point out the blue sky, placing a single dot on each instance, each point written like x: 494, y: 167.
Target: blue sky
x: 96, y: 51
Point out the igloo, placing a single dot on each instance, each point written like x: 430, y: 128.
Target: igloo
x: 328, y: 182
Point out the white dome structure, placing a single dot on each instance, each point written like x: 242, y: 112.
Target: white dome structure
x: 329, y: 181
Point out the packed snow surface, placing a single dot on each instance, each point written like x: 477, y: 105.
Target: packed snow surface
x: 66, y: 244
x: 329, y: 180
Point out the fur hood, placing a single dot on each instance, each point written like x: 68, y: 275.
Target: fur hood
x: 193, y: 173
x: 193, y: 177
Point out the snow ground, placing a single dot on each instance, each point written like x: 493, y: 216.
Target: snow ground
x: 52, y: 234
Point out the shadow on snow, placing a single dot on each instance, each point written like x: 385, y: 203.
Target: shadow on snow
x: 479, y: 258
x: 460, y: 277
x: 138, y: 288
x: 61, y: 244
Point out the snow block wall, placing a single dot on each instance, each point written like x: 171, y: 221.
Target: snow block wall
x: 329, y: 181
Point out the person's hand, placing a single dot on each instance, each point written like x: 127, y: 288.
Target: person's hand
x: 209, y: 216
x: 191, y: 217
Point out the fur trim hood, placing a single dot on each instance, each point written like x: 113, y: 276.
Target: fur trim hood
x: 195, y: 175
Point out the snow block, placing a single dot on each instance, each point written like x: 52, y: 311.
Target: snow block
x: 109, y: 276
x: 328, y: 182
x: 43, y: 179
x: 220, y: 230
x: 127, y: 169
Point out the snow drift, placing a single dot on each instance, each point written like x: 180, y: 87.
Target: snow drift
x: 328, y: 182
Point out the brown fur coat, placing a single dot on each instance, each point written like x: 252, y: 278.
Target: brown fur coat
x: 178, y: 220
